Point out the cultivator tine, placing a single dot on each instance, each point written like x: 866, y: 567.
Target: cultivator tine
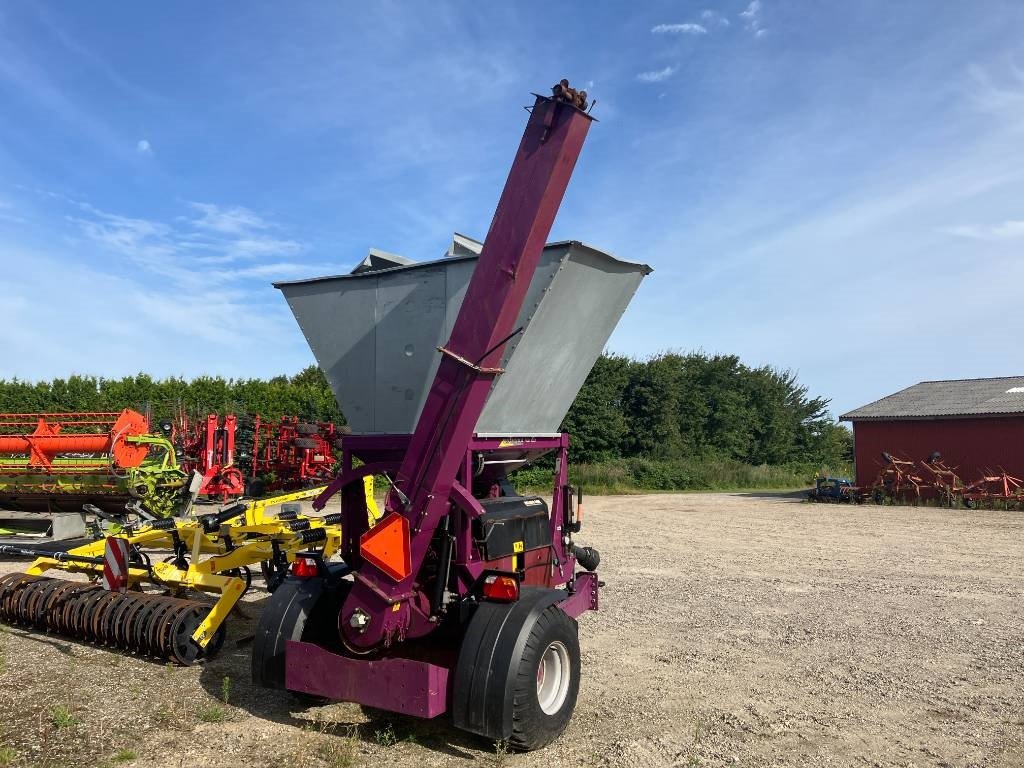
x: 158, y: 626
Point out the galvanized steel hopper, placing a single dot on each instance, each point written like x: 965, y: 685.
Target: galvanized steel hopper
x: 375, y: 334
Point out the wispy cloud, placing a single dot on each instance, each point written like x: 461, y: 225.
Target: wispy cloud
x: 753, y: 8
x: 656, y: 75
x: 714, y: 18
x: 143, y: 147
x: 217, y: 246
x: 689, y: 28
x: 752, y: 18
x: 232, y: 220
x: 1008, y: 230
x: 1001, y: 94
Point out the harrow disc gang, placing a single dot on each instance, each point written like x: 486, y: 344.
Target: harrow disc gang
x: 149, y: 625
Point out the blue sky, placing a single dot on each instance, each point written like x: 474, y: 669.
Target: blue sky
x: 834, y: 188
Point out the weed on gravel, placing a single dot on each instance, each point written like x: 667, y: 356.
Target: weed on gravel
x: 61, y: 717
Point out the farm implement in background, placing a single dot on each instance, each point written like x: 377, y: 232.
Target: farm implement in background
x: 54, y: 463
x: 905, y: 481
x: 208, y: 447
x: 195, y: 570
x: 291, y: 454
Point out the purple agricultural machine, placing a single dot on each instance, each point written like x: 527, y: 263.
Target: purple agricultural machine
x: 463, y: 598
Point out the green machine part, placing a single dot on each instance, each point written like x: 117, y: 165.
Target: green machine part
x: 158, y: 483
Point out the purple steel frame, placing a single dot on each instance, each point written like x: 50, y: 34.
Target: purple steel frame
x: 381, y: 454
x: 433, y: 468
x: 421, y: 687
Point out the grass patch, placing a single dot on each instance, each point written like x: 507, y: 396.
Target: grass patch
x: 386, y: 736
x: 124, y: 756
x: 502, y: 752
x: 7, y: 755
x: 212, y: 713
x: 338, y: 752
x: 638, y: 475
x: 61, y: 717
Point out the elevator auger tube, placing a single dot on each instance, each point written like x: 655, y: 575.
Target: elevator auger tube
x: 463, y: 598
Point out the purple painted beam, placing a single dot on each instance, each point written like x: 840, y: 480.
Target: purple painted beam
x: 585, y: 596
x: 536, y: 184
x: 407, y: 686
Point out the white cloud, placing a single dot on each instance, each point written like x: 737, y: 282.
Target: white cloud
x: 1000, y: 93
x: 193, y: 252
x: 232, y: 220
x: 753, y: 9
x: 1008, y: 230
x: 688, y: 28
x: 714, y: 17
x: 752, y: 18
x: 144, y: 147
x: 656, y: 76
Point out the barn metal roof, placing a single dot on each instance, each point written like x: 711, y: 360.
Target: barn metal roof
x: 939, y: 399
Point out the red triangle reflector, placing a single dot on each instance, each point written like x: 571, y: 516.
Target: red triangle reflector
x: 387, y: 546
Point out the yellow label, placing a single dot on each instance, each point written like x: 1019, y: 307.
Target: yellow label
x: 517, y: 546
x: 396, y: 607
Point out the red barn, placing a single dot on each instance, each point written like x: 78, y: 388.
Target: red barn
x: 976, y: 424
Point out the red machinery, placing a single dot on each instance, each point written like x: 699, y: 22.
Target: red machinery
x: 994, y: 488
x: 209, y: 449
x: 292, y: 454
x: 101, y: 435
x: 52, y: 462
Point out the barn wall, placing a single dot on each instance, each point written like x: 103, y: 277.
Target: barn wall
x: 969, y: 445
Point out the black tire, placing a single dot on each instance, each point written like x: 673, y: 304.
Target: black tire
x: 304, y: 442
x: 307, y: 429
x: 554, y: 641
x: 255, y: 488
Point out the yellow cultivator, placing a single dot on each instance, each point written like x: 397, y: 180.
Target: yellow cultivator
x: 210, y: 554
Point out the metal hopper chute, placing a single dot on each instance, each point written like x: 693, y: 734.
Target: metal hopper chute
x: 376, y: 335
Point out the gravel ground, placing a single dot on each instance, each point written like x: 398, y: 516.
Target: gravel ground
x: 735, y: 629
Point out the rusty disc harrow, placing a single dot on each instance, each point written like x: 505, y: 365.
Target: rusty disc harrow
x: 157, y: 626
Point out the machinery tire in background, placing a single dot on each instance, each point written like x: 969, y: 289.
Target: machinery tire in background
x: 304, y: 428
x: 305, y: 442
x: 518, y: 673
x: 255, y: 487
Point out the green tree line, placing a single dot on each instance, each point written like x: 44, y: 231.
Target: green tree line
x: 669, y: 407
x: 701, y: 407
x: 305, y: 394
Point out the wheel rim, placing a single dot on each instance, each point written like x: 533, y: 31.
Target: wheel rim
x: 553, y: 675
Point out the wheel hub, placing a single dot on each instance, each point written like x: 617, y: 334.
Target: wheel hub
x: 553, y: 673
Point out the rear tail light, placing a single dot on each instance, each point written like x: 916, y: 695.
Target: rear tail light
x: 501, y: 589
x: 305, y: 568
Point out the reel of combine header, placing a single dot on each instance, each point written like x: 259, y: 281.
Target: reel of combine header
x: 61, y: 461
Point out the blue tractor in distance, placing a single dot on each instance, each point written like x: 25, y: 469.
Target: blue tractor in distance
x: 834, y: 490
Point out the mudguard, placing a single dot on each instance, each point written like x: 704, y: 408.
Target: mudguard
x: 493, y: 644
x: 285, y: 617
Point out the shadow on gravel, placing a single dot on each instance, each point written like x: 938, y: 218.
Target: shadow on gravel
x: 230, y: 672
x: 381, y: 728
x: 791, y: 495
